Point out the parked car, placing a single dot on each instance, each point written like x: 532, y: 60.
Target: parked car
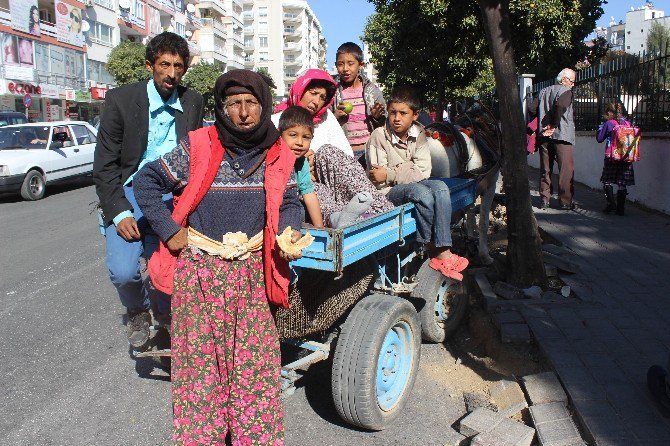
x: 12, y: 117
x: 35, y: 155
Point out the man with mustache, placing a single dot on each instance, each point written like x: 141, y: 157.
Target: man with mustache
x: 140, y: 122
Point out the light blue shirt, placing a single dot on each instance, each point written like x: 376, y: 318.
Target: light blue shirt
x: 162, y: 131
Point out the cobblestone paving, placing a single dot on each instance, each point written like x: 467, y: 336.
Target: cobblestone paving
x: 602, y: 345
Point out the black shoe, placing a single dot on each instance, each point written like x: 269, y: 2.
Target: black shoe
x: 544, y: 205
x: 656, y: 377
x: 137, y: 328
x: 568, y: 207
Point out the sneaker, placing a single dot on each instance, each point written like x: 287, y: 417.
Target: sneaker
x: 137, y: 327
x: 568, y: 207
x: 544, y: 205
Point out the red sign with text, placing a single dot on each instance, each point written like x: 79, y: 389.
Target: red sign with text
x: 19, y: 88
x: 98, y: 93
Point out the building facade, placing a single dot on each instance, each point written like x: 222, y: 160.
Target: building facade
x: 631, y: 36
x: 283, y: 37
x: 54, y: 53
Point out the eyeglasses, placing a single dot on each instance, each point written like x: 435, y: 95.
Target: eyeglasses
x: 237, y: 105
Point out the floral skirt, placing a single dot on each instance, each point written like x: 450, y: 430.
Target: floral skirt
x: 225, y: 354
x: 340, y: 178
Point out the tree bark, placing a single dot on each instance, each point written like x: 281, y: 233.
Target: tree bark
x: 524, y: 252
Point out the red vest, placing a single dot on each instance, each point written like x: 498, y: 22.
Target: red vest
x: 205, y: 158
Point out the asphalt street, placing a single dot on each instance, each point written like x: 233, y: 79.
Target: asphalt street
x: 68, y: 378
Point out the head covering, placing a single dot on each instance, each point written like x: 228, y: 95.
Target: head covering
x: 264, y: 134
x: 300, y: 85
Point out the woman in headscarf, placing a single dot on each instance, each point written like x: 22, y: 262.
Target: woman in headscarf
x: 234, y: 176
x: 345, y: 193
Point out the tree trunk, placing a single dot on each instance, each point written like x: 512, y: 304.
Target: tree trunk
x: 524, y: 252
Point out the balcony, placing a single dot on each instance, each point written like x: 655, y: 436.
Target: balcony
x: 292, y: 62
x: 248, y: 45
x: 292, y: 47
x: 294, y: 4
x: 216, y: 5
x: 193, y: 48
x: 216, y: 25
x: 290, y: 17
x: 168, y: 6
x: 249, y: 31
x: 193, y: 20
x: 248, y: 16
x: 248, y: 63
x: 292, y: 32
x: 236, y: 61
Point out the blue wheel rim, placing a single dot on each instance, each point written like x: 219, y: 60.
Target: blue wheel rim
x: 394, y: 365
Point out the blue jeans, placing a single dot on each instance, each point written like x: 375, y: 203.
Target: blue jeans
x: 432, y: 202
x: 123, y: 261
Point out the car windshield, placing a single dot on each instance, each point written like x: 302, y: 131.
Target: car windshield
x: 26, y: 137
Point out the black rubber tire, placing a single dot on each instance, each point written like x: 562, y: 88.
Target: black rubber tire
x: 429, y: 283
x: 33, y: 186
x: 356, y: 356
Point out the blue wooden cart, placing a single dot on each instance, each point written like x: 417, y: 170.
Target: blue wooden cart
x: 376, y: 349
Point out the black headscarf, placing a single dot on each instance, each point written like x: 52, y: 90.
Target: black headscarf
x: 264, y: 134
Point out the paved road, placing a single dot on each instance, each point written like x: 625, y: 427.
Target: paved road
x: 67, y: 378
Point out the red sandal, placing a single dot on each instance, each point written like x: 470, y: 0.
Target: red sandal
x: 450, y: 267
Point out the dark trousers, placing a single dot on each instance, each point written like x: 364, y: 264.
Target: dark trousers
x: 560, y: 152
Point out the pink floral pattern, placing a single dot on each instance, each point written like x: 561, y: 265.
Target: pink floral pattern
x: 225, y: 354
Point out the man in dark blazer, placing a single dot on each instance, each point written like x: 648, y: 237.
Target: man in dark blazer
x: 140, y: 122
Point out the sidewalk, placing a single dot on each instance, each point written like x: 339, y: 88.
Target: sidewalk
x: 602, y: 345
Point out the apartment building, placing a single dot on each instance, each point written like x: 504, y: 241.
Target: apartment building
x: 54, y: 52
x: 631, y: 35
x: 284, y: 37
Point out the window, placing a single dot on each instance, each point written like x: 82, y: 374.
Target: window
x: 42, y: 58
x: 109, y: 4
x: 263, y: 11
x: 83, y: 135
x: 248, y: 42
x: 653, y: 15
x: 137, y: 9
x: 101, y: 33
x: 264, y: 57
x: 263, y: 27
x: 289, y: 28
x: 180, y: 29
x: 45, y: 15
x: 263, y: 42
x: 57, y: 63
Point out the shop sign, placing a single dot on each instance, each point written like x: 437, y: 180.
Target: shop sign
x: 68, y: 95
x: 52, y: 112
x: 98, y: 93
x: 21, y: 88
x: 17, y: 72
x: 82, y: 96
x: 49, y: 91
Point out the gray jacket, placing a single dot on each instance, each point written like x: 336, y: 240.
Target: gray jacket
x: 565, y: 131
x: 371, y: 94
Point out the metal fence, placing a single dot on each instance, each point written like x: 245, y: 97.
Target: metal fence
x: 640, y: 83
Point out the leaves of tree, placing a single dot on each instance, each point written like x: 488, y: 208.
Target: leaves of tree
x: 126, y: 63
x: 201, y: 78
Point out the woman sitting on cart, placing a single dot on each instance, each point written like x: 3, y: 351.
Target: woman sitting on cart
x: 399, y: 165
x: 234, y: 176
x: 344, y: 191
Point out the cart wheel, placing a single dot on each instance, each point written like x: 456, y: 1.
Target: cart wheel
x: 446, y: 303
x: 375, y: 361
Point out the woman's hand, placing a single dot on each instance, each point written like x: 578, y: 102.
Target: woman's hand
x: 178, y: 241
x: 310, y: 159
x: 295, y: 236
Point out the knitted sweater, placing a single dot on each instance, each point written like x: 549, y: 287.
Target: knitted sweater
x: 232, y: 204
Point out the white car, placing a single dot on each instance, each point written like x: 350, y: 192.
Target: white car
x: 34, y: 155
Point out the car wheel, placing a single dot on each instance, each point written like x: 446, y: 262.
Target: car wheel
x: 445, y: 303
x: 376, y: 360
x: 33, y: 186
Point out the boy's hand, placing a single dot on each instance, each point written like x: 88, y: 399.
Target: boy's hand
x: 377, y: 110
x: 339, y: 112
x: 178, y: 241
x: 378, y: 174
x: 310, y: 159
x: 295, y: 236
